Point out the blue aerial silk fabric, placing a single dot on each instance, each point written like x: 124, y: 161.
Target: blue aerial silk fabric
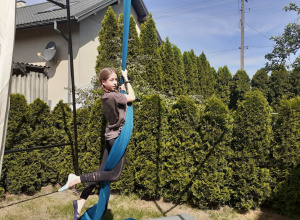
x: 118, y: 149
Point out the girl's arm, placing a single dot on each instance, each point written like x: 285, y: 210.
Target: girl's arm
x: 130, y: 96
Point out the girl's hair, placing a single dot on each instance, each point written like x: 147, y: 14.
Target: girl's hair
x: 104, y: 74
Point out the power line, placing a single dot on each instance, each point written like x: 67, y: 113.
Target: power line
x: 194, y: 20
x: 188, y: 11
x: 221, y: 51
x: 233, y: 49
x: 180, y: 8
x: 260, y: 46
x: 257, y: 31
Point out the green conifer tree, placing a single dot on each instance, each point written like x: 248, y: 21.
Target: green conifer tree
x: 18, y: 129
x: 150, y: 124
x: 41, y: 124
x: 22, y: 169
x: 252, y: 134
x: 126, y: 184
x: 240, y: 84
x: 169, y: 67
x: 223, y: 80
x: 180, y: 74
x: 286, y: 158
x: 279, y: 86
x: 294, y: 79
x: 178, y: 157
x: 133, y: 39
x: 206, y: 77
x: 109, y: 50
x: 191, y: 72
x: 260, y: 81
x: 92, y: 150
x: 151, y: 57
x: 211, y: 188
x: 63, y: 159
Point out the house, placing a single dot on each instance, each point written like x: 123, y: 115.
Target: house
x: 37, y: 27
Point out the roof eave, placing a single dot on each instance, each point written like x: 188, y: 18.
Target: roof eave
x: 82, y: 15
x: 42, y: 23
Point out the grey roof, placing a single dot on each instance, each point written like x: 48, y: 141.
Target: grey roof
x: 25, y: 68
x: 45, y: 13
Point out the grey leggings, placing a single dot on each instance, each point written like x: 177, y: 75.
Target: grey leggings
x: 93, y: 178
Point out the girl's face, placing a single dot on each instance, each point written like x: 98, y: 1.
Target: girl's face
x: 111, y: 83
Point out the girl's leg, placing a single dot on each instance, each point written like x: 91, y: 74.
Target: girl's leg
x: 91, y: 185
x: 99, y: 176
x: 113, y: 175
x: 76, y: 179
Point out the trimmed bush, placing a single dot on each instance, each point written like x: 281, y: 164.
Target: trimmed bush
x: 42, y: 135
x: 149, y: 126
x: 62, y: 159
x: 251, y: 144
x: 286, y: 159
x: 178, y: 156
x: 211, y: 185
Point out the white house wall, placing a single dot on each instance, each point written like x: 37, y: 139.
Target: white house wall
x: 29, y: 42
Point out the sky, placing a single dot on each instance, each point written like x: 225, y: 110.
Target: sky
x: 213, y: 27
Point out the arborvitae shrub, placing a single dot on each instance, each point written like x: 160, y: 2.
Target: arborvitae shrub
x: 251, y: 144
x: 83, y: 115
x: 206, y: 77
x: 286, y: 158
x: 41, y: 124
x: 260, y: 81
x: 126, y: 183
x: 62, y: 160
x: 181, y: 77
x: 294, y: 79
x: 92, y: 149
x: 279, y: 86
x: 2, y: 192
x: 179, y: 163
x: 151, y: 57
x: 210, y: 187
x: 18, y: 129
x: 109, y: 48
x: 149, y: 125
x: 171, y: 82
x: 223, y: 80
x: 238, y: 87
x: 191, y: 72
x: 22, y: 170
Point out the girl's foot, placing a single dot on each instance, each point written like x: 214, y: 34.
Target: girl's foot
x: 80, y: 203
x: 68, y: 185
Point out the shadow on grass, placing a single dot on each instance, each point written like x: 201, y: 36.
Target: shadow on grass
x: 26, y: 200
x: 267, y: 214
x: 108, y: 215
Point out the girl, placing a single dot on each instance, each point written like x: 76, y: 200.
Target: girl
x: 114, y: 109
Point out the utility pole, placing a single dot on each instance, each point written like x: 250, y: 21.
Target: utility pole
x: 242, y: 33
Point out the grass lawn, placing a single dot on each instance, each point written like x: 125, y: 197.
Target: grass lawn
x: 49, y: 204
